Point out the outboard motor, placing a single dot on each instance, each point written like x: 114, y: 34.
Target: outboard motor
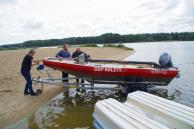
x: 165, y: 60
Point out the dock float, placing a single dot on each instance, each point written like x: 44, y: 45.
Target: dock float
x: 142, y: 111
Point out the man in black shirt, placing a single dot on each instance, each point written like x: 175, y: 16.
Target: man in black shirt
x: 25, y: 71
x: 76, y: 54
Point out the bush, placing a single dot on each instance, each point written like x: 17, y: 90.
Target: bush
x: 89, y: 45
x: 117, y: 46
x: 4, y: 49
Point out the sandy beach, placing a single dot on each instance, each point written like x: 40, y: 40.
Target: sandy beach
x: 13, y: 104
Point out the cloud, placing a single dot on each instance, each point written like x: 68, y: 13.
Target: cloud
x: 172, y: 4
x: 189, y: 7
x: 42, y: 19
x: 7, y: 2
x: 1, y: 23
x: 33, y: 25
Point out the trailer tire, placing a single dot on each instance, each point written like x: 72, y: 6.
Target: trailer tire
x: 38, y: 91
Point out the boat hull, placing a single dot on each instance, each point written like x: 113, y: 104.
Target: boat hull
x: 103, y: 74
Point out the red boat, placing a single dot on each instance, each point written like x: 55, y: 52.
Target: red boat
x: 117, y: 72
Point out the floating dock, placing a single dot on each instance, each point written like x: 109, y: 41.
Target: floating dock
x: 142, y: 111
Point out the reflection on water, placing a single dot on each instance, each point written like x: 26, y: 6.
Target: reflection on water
x: 70, y: 110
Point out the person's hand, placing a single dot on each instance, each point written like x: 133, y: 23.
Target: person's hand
x: 37, y: 61
x: 40, y: 60
x: 59, y: 57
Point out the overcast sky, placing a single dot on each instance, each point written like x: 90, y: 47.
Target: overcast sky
x: 22, y: 20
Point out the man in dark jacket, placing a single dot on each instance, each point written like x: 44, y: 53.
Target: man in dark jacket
x: 64, y: 54
x: 25, y: 71
x: 76, y: 54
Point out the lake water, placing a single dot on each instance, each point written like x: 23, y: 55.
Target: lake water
x: 72, y: 110
x: 182, y: 56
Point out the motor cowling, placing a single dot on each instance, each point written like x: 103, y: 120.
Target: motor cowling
x: 165, y: 60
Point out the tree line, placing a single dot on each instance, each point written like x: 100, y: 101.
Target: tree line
x: 107, y: 38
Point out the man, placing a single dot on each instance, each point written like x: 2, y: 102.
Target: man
x: 64, y: 54
x: 25, y: 71
x: 76, y: 54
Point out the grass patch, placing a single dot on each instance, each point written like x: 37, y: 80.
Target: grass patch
x: 11, y: 48
x: 59, y: 46
x: 85, y: 45
x: 89, y: 45
x: 117, y: 46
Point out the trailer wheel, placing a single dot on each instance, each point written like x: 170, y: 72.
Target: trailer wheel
x: 83, y: 90
x: 38, y: 91
x: 78, y: 89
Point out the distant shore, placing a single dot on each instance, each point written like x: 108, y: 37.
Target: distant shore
x: 13, y: 104
x: 121, y: 46
x: 107, y: 38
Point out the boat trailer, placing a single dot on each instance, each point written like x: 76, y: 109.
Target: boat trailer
x: 121, y: 86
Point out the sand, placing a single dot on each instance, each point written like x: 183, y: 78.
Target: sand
x: 13, y: 104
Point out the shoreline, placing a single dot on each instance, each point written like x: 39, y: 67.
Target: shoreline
x: 12, y: 99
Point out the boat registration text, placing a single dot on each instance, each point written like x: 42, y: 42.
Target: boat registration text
x: 107, y: 69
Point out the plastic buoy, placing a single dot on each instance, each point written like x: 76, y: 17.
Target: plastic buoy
x: 40, y: 67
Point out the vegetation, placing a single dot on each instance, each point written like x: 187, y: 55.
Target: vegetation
x: 89, y: 45
x: 11, y: 48
x: 117, y: 46
x: 108, y: 38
